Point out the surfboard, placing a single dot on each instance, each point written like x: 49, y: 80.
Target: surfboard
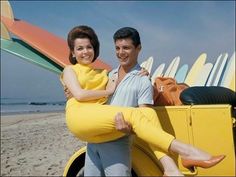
x: 201, y: 78
x: 195, y: 69
x: 181, y: 74
x: 19, y: 48
x: 6, y: 9
x: 220, y: 70
x: 213, y: 71
x: 52, y: 46
x: 174, y: 68
x: 228, y: 79
x: 147, y: 64
x: 171, y: 65
x: 143, y: 64
x: 217, y: 70
x: 4, y: 33
x: 232, y: 85
x: 158, y: 72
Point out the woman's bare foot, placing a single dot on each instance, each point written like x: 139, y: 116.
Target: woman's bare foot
x: 187, y: 151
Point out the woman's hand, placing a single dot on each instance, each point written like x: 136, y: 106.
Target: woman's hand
x: 111, y: 85
x: 144, y: 72
x: 67, y: 93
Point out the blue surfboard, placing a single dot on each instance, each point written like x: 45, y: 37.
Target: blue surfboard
x: 181, y: 74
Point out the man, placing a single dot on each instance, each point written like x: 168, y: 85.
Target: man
x: 114, y: 158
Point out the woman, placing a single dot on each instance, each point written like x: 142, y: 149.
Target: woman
x: 91, y: 121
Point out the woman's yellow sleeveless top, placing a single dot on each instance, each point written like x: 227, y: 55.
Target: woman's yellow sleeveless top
x: 89, y: 79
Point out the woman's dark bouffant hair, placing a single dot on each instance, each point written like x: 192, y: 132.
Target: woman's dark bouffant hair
x: 82, y: 32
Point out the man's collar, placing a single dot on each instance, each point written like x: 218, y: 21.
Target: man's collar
x: 134, y: 70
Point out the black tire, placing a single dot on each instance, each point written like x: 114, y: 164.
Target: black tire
x: 77, y: 167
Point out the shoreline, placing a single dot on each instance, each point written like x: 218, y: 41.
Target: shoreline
x: 36, y: 144
x: 3, y: 114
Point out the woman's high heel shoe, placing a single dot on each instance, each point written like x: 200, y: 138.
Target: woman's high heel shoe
x: 188, y: 163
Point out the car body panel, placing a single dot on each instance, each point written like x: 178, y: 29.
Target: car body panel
x: 209, y: 127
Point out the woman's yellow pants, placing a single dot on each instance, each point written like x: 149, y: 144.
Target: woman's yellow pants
x: 94, y: 123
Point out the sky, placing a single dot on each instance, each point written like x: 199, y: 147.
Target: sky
x: 167, y: 29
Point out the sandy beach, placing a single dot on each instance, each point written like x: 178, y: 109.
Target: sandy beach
x: 37, y: 144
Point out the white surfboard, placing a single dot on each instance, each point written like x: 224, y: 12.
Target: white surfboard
x: 170, y: 67
x: 147, y: 64
x: 181, y: 73
x: 158, y: 72
x: 213, y: 71
x: 201, y: 78
x: 217, y: 70
x: 220, y: 71
x: 195, y: 69
x: 174, y: 68
x: 228, y: 79
x: 143, y: 64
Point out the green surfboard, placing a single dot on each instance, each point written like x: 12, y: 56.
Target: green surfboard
x: 21, y: 49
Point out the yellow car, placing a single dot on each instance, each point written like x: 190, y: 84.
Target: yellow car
x: 207, y: 126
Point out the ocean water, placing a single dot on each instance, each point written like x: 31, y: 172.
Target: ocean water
x: 22, y: 105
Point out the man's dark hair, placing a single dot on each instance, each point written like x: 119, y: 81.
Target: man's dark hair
x: 128, y: 32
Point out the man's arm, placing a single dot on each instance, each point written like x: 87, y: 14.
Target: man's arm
x: 122, y: 125
x: 145, y: 99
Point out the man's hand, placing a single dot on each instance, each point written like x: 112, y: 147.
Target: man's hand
x: 121, y: 124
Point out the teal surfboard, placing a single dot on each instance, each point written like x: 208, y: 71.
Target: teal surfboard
x: 21, y: 49
x: 181, y: 74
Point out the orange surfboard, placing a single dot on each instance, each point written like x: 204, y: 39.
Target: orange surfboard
x: 52, y: 46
